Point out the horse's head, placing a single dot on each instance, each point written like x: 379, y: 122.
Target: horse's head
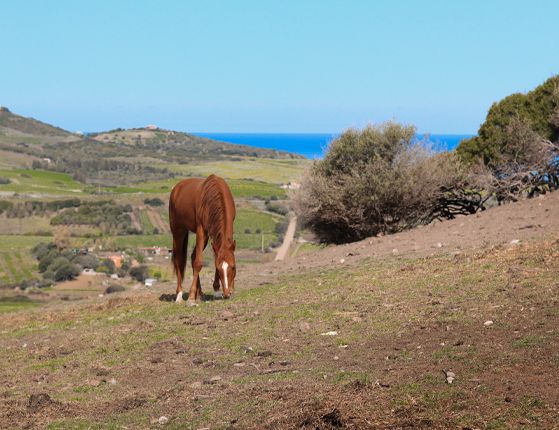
x: 225, y: 264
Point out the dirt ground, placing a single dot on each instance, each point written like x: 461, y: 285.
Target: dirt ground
x: 453, y: 325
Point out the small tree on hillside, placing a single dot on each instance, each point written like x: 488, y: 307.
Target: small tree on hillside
x: 379, y: 179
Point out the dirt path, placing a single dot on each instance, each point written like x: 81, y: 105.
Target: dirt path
x: 282, y: 252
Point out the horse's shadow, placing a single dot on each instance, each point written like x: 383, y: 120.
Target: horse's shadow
x: 173, y: 297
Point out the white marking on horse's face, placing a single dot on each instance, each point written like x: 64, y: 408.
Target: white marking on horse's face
x: 225, y: 266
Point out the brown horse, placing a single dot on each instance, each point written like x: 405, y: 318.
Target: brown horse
x: 206, y: 208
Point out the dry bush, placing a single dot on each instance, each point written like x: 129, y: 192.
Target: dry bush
x: 527, y: 164
x: 376, y: 180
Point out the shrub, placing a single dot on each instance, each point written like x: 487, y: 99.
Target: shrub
x: 49, y: 274
x: 140, y: 273
x: 258, y: 231
x: 274, y: 197
x: 103, y: 269
x: 247, y: 230
x: 156, y: 202
x: 4, y: 180
x: 155, y: 230
x: 114, y: 289
x: 66, y: 272
x: 376, y: 180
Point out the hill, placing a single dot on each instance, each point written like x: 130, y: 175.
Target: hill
x: 391, y: 332
x: 10, y: 123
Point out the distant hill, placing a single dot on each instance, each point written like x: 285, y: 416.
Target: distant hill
x: 29, y: 126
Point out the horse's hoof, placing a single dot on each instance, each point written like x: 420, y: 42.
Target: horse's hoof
x: 218, y: 295
x: 191, y: 303
x: 179, y: 298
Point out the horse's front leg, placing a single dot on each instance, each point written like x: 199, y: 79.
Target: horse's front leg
x: 217, y: 293
x: 197, y: 264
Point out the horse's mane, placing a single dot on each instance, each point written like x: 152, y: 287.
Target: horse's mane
x: 212, y: 204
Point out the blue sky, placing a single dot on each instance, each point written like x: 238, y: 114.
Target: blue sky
x: 271, y: 66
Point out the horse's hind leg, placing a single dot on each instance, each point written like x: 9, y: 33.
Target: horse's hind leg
x: 197, y: 264
x: 179, y: 261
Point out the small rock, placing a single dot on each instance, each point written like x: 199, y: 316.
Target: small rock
x: 226, y: 315
x: 112, y: 382
x: 450, y: 375
x: 239, y: 364
x: 196, y: 384
x: 394, y: 251
x: 439, y: 245
x: 330, y: 333
x: 94, y: 383
x: 197, y: 361
x: 213, y: 380
x: 101, y: 295
x: 304, y: 326
x: 336, y: 358
x: 488, y: 323
x: 24, y: 345
x: 342, y: 261
x: 162, y: 420
x: 449, y: 380
x: 514, y: 242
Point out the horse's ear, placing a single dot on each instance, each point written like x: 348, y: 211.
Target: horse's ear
x: 233, y: 245
x: 215, y: 248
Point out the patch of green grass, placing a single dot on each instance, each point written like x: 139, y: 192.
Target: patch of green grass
x: 6, y: 308
x: 252, y: 220
x: 16, y: 274
x: 534, y: 341
x: 21, y: 242
x: 40, y: 181
x: 146, y: 222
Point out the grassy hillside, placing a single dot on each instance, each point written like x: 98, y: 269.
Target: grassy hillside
x: 364, y: 346
x: 29, y: 126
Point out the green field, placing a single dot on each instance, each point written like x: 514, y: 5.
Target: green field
x: 21, y: 242
x: 133, y: 242
x: 246, y: 241
x: 148, y: 226
x: 16, y: 307
x: 259, y: 169
x: 239, y: 188
x: 253, y: 220
x: 40, y: 182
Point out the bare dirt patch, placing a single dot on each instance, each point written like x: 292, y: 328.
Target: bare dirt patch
x: 314, y: 342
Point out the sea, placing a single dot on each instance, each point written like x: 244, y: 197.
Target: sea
x: 312, y: 145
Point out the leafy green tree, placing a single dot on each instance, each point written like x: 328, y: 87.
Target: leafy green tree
x: 538, y: 108
x: 66, y: 272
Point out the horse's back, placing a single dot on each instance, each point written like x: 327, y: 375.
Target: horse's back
x: 183, y: 202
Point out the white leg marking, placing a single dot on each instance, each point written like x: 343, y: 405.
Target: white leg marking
x: 218, y: 295
x: 225, y: 266
x: 179, y: 297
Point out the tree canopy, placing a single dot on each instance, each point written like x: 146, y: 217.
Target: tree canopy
x: 538, y: 108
